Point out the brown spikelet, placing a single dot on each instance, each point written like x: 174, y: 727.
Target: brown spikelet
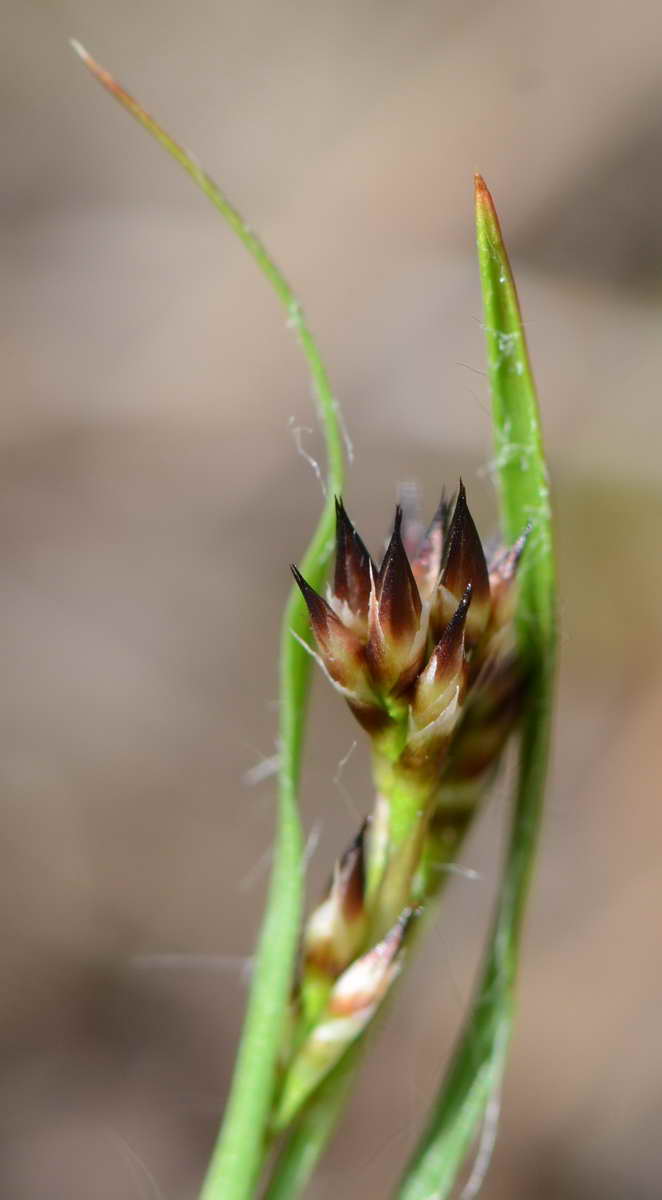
x: 463, y: 563
x: 368, y: 979
x: 351, y: 873
x: 353, y: 1001
x: 340, y: 648
x: 322, y: 617
x: 396, y: 633
x: 448, y: 653
x: 427, y: 561
x: 440, y: 686
x: 503, y: 580
x: 335, y: 929
x: 397, y: 594
x: 351, y: 580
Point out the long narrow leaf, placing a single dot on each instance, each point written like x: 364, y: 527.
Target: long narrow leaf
x: 240, y: 1149
x: 476, y: 1070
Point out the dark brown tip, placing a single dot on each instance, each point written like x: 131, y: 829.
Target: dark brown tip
x: 504, y: 568
x: 464, y: 560
x: 393, y: 940
x: 427, y: 561
x: 397, y: 593
x: 445, y: 511
x: 322, y: 615
x: 351, y: 580
x: 372, y: 972
x: 351, y: 877
x: 449, y: 650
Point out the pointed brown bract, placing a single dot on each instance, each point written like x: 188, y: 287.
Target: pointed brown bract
x: 395, y: 645
x: 340, y: 648
x: 330, y: 633
x: 351, y: 876
x: 427, y: 562
x: 464, y: 562
x: 438, y: 698
x: 336, y: 928
x: 351, y: 580
x: 449, y: 651
x: 503, y: 581
x: 362, y: 986
x: 397, y: 593
x: 443, y: 677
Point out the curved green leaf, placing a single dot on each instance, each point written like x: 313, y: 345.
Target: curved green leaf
x: 240, y: 1150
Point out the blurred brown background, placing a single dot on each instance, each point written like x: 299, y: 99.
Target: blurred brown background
x: 152, y: 496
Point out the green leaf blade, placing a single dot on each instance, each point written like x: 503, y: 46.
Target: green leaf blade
x: 521, y: 469
x: 241, y: 1147
x: 476, y: 1069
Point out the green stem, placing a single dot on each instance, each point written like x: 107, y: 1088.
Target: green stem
x: 403, y: 808
x: 239, y: 1152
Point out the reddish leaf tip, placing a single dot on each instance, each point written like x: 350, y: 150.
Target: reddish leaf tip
x: 481, y: 188
x: 486, y: 213
x: 483, y: 196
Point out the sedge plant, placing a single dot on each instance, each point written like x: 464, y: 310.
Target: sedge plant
x: 444, y: 653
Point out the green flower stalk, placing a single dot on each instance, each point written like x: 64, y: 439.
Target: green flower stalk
x: 423, y: 650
